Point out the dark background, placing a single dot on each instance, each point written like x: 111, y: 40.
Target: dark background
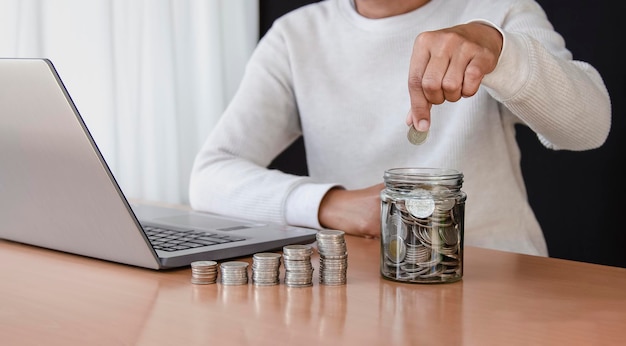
x: 576, y: 195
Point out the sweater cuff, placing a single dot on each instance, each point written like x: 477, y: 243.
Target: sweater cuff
x: 303, y: 204
x: 513, y: 65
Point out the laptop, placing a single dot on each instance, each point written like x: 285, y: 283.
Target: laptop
x: 57, y: 191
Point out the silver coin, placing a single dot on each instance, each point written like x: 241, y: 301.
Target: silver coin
x: 422, y: 206
x: 416, y: 137
x: 203, y: 264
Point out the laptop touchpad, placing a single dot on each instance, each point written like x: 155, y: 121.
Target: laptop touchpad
x: 208, y: 222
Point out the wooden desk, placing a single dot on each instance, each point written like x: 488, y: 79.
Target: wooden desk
x: 51, y: 298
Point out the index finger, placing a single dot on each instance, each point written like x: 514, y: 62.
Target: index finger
x: 419, y: 115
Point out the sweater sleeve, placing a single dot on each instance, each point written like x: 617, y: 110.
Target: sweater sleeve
x: 563, y: 100
x: 230, y: 174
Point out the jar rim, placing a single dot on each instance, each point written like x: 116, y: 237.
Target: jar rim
x: 426, y: 172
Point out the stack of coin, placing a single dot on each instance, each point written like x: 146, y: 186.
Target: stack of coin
x: 203, y: 272
x: 331, y: 245
x: 266, y: 268
x: 298, y: 268
x: 234, y: 273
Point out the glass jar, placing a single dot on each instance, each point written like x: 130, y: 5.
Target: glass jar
x: 422, y: 224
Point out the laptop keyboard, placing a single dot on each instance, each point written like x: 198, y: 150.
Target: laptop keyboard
x: 175, y: 240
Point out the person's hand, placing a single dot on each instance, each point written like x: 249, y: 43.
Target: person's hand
x: 355, y: 212
x: 448, y: 64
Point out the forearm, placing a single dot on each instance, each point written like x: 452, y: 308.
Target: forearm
x: 355, y: 212
x: 565, y: 102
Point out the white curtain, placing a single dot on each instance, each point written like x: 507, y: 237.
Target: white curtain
x: 150, y: 77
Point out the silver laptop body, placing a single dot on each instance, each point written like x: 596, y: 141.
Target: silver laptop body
x: 57, y: 192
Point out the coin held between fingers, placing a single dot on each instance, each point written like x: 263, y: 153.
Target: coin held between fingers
x: 416, y: 137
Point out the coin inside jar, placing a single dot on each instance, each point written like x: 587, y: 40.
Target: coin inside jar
x: 396, y: 250
x: 420, y: 204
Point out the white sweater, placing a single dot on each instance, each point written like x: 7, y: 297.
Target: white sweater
x: 340, y: 80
